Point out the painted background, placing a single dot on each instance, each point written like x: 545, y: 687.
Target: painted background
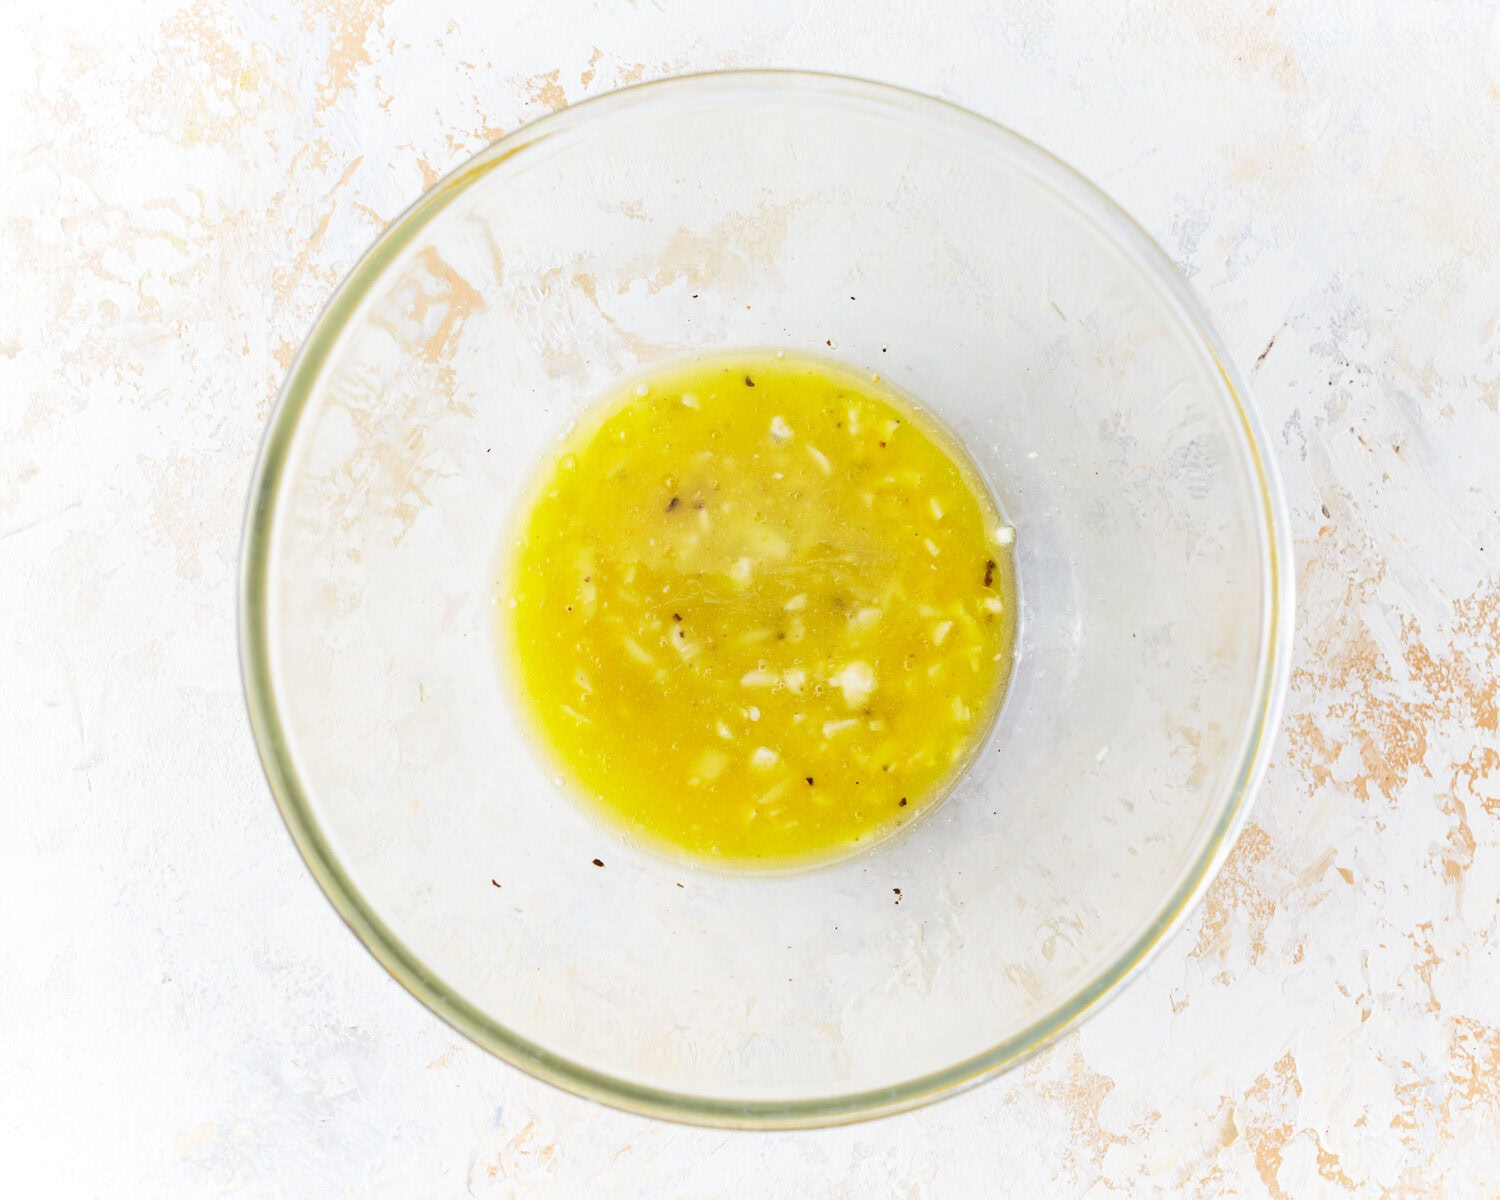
x: 181, y: 1012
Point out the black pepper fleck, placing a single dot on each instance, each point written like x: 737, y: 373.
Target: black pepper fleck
x: 598, y: 862
x: 495, y: 882
x: 673, y: 503
x: 989, y: 572
x: 809, y: 779
x: 749, y: 382
x: 903, y: 802
x: 676, y: 616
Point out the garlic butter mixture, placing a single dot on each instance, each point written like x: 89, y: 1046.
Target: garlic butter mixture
x: 760, y: 609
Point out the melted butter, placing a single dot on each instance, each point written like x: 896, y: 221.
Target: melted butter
x: 760, y: 610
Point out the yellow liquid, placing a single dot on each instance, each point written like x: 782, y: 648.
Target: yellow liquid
x: 760, y: 609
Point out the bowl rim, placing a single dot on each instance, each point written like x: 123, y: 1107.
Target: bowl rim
x: 537, y: 1060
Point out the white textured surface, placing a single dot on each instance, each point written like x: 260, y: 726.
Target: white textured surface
x: 182, y: 1014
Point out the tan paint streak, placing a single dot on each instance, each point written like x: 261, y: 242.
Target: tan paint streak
x: 286, y: 281
x: 1459, y: 845
x: 207, y: 83
x: 1477, y: 621
x: 546, y: 89
x: 443, y: 1059
x: 1475, y: 1071
x: 497, y: 259
x: 369, y: 213
x: 1237, y: 892
x: 589, y: 71
x: 521, y: 1160
x: 1398, y: 704
x: 454, y: 297
x: 1331, y: 1168
x: 1315, y: 870
x: 1427, y: 963
x: 1310, y: 748
x: 1390, y: 728
x: 1244, y: 36
x: 349, y: 24
x: 1475, y: 771
x: 346, y: 176
x: 480, y: 136
x: 1265, y: 1127
x: 396, y: 459
x: 727, y: 252
x: 1082, y: 1095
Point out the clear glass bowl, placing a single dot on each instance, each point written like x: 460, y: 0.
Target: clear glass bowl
x: 974, y: 272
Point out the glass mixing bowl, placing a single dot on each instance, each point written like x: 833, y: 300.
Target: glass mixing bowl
x: 974, y: 272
